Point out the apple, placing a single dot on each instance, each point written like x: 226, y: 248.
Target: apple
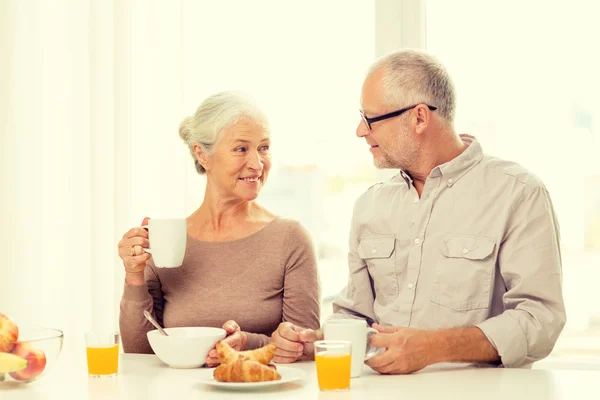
x: 36, y: 361
x: 9, y: 333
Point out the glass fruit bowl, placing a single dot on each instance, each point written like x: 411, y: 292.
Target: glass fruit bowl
x: 31, y: 356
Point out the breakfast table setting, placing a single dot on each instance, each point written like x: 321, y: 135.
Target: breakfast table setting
x: 146, y: 376
x: 47, y: 363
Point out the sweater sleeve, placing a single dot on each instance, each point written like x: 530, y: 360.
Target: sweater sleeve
x: 132, y: 323
x: 301, y: 287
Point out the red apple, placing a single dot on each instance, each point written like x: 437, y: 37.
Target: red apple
x: 9, y: 333
x: 36, y: 361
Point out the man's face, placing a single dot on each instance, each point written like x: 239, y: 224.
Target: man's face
x: 391, y: 141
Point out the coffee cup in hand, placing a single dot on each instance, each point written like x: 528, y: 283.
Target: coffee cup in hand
x: 167, y: 239
x: 357, y: 332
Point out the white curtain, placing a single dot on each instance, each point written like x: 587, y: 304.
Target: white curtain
x: 91, y: 95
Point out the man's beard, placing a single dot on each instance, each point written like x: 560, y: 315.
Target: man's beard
x: 401, y: 155
x: 384, y: 161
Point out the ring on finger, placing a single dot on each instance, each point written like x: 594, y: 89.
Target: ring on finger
x: 138, y: 250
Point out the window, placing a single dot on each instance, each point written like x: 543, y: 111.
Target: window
x: 311, y: 98
x: 526, y: 75
x: 103, y: 152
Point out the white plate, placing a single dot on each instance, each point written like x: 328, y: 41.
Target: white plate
x: 288, y: 374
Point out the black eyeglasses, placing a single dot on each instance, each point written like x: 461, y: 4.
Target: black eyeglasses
x: 368, y: 121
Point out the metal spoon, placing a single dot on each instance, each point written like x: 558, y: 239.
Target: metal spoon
x: 153, y: 322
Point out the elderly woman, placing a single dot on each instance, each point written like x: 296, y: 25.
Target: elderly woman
x: 245, y: 269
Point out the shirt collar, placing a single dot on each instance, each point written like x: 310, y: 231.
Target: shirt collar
x: 406, y: 178
x: 457, y: 167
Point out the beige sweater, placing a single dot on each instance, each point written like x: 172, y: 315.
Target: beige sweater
x: 258, y: 281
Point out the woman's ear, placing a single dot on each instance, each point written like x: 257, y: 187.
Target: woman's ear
x: 200, y: 155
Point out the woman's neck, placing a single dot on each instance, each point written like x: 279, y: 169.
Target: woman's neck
x: 218, y: 213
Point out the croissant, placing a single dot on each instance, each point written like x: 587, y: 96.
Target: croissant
x: 263, y: 355
x: 245, y: 371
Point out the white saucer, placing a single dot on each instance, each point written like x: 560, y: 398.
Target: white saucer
x: 288, y: 374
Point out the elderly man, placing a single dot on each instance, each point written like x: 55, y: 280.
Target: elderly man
x: 457, y: 257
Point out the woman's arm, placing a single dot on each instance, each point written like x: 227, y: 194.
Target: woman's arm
x: 137, y: 298
x: 302, y: 291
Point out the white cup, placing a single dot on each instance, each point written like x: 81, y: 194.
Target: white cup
x: 357, y: 332
x: 168, y: 239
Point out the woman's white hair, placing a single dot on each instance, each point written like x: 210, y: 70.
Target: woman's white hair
x: 217, y: 113
x: 413, y: 77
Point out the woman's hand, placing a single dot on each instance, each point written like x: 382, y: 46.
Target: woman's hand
x: 235, y: 338
x: 131, y: 250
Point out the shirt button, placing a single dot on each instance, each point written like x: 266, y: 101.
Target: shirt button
x: 410, y: 286
x: 417, y: 240
x: 450, y: 180
x: 416, y: 201
x: 465, y: 251
x: 374, y: 251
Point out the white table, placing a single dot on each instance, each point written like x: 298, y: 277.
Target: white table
x: 145, y: 377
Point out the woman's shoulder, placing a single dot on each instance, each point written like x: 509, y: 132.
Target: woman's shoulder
x: 279, y: 223
x: 291, y: 232
x: 290, y: 226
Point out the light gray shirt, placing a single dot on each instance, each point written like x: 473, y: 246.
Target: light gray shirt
x: 480, y: 247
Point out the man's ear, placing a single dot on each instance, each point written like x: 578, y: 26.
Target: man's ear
x: 423, y: 118
x: 200, y: 155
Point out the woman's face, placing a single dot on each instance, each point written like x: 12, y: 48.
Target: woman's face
x: 241, y: 160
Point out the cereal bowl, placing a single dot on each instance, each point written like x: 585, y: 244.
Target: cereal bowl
x: 185, y: 347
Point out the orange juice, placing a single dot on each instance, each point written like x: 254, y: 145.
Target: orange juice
x: 103, y: 360
x: 333, y: 371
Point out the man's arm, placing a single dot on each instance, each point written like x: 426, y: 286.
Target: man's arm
x: 409, y: 350
x: 357, y: 298
x: 530, y: 263
x: 463, y: 345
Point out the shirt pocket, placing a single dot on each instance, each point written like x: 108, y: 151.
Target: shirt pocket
x: 465, y: 272
x: 378, y: 253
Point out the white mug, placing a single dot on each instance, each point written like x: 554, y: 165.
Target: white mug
x: 167, y: 239
x: 357, y: 332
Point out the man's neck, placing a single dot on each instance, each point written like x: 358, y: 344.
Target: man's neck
x: 434, y: 155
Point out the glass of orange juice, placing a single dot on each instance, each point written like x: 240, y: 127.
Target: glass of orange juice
x: 333, y: 359
x: 102, y: 350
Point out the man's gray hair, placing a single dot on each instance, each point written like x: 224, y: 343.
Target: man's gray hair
x: 412, y: 77
x: 217, y: 113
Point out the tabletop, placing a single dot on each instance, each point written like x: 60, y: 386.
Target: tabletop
x: 146, y: 377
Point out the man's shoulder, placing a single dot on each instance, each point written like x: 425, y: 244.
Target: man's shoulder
x: 382, y: 189
x: 501, y: 169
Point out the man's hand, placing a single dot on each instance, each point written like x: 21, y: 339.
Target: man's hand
x: 408, y: 350
x: 294, y: 343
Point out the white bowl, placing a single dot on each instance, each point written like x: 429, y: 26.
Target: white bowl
x: 185, y: 347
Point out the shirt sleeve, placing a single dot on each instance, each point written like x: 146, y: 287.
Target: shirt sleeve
x: 357, y: 299
x: 529, y: 260
x: 132, y: 323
